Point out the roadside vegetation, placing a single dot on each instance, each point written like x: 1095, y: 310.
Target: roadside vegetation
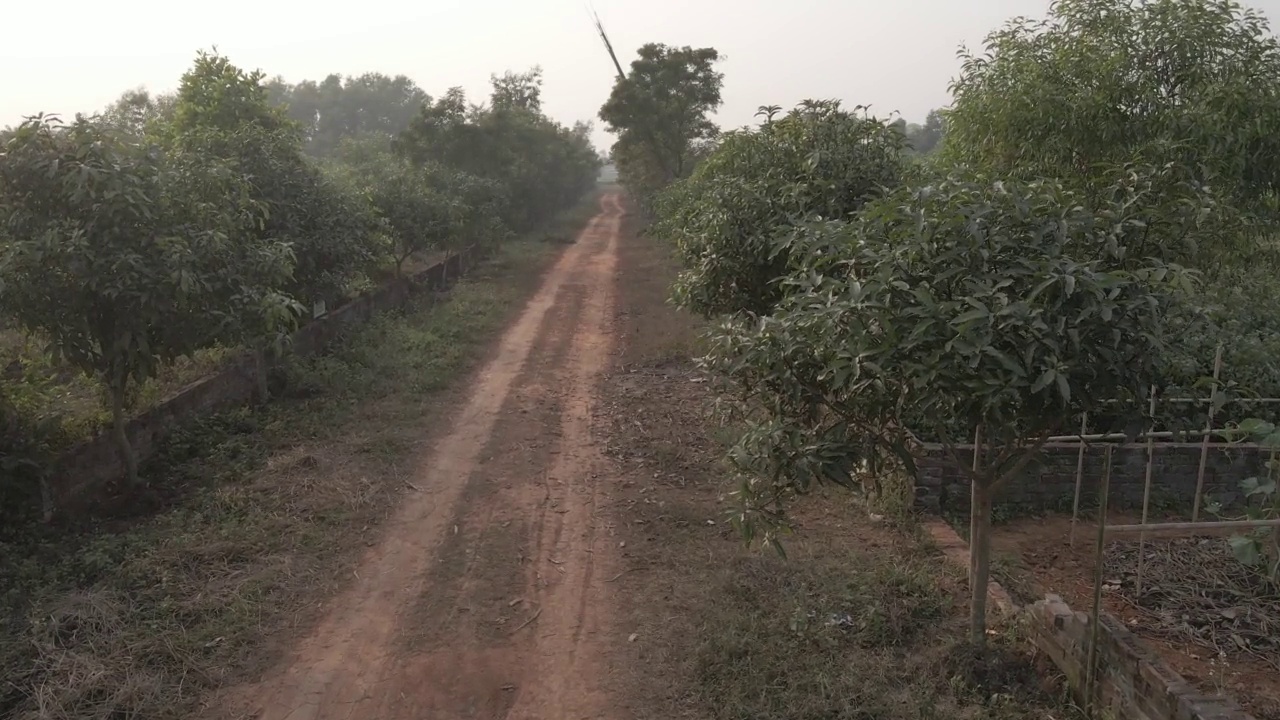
x: 859, y: 620
x: 255, y: 513
x: 1101, y: 201
x: 146, y: 245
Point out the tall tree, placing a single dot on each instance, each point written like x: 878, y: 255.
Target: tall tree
x: 661, y: 111
x: 522, y: 91
x: 924, y: 139
x: 224, y: 113
x: 542, y: 165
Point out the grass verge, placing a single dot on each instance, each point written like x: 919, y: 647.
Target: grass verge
x: 258, y: 514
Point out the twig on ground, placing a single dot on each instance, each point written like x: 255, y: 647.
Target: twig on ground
x: 525, y: 624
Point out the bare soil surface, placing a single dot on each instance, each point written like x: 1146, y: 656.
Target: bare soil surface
x: 483, y: 597
x: 1037, y: 555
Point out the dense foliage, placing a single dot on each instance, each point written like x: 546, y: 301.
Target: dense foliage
x: 127, y: 257
x: 1099, y: 83
x: 1008, y: 304
x: 731, y: 220
x: 1098, y: 220
x: 539, y: 164
x: 339, y: 108
x: 1192, y: 84
x: 167, y: 225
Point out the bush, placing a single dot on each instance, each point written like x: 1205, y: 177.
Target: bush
x: 731, y: 220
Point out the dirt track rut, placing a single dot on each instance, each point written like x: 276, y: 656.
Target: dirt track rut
x: 487, y: 595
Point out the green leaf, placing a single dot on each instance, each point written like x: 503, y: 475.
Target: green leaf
x: 1043, y: 381
x: 1245, y: 549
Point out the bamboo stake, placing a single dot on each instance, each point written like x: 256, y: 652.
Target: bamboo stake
x: 1200, y: 401
x: 1204, y: 445
x: 1273, y: 473
x: 1094, y: 622
x: 1075, y: 503
x: 974, y: 519
x: 1146, y: 494
x: 1141, y: 436
x: 1193, y: 528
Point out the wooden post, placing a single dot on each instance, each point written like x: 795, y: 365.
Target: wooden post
x: 1095, y: 620
x: 1075, y: 503
x: 979, y: 545
x: 1204, y: 444
x: 973, y: 502
x: 1146, y: 495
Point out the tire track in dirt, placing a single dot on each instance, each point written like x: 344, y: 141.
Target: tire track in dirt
x: 572, y: 602
x: 355, y: 665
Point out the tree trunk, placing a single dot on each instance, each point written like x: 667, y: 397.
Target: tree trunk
x: 118, y: 422
x: 979, y: 561
x: 260, y: 374
x: 46, y: 499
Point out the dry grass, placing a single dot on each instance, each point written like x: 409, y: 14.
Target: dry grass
x: 257, y: 515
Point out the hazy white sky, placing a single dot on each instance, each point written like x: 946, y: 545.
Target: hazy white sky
x: 892, y: 54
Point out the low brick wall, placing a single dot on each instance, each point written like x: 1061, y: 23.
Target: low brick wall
x: 80, y: 476
x: 1049, y: 481
x: 1132, y: 682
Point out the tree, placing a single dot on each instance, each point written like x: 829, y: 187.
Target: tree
x: 1008, y: 307
x: 416, y: 203
x: 339, y: 108
x: 1100, y: 83
x: 137, y: 113
x: 541, y: 165
x: 127, y: 257
x: 660, y: 112
x: 731, y: 221
x: 517, y: 91
x: 925, y: 138
x: 223, y: 113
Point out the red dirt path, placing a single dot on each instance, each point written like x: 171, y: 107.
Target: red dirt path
x: 485, y: 597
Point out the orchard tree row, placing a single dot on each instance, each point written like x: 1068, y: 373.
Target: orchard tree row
x: 222, y: 214
x: 1098, y: 217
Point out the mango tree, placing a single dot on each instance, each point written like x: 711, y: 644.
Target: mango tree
x: 1189, y: 83
x: 963, y: 305
x: 732, y: 219
x: 126, y: 257
x: 1098, y: 83
x: 223, y: 113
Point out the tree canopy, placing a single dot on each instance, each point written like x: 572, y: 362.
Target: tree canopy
x: 338, y: 108
x: 1101, y: 83
x: 168, y: 225
x: 732, y: 219
x: 660, y: 112
x: 126, y: 257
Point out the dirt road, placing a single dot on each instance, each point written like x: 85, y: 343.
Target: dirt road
x: 486, y: 596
